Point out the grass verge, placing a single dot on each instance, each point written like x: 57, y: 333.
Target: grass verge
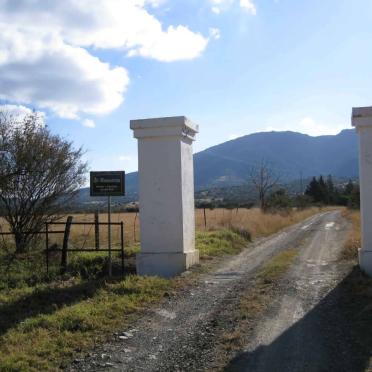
x: 40, y: 332
x: 353, y: 241
x: 220, y: 243
x: 260, y: 223
x: 44, y: 326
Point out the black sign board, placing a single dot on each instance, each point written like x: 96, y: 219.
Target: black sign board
x: 107, y: 183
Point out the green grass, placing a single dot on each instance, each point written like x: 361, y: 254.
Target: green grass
x: 44, y: 327
x: 219, y: 243
x: 277, y: 266
x: 45, y: 321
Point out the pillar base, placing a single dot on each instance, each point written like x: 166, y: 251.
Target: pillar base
x: 165, y: 265
x: 365, y: 261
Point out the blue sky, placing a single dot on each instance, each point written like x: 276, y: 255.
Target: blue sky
x: 233, y: 66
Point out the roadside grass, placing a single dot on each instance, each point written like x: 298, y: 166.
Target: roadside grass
x: 45, y: 325
x: 277, y: 266
x: 42, y: 338
x: 220, y: 242
x: 353, y: 241
x: 257, y: 222
x: 255, y: 301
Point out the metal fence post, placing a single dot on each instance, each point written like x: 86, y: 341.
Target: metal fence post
x: 65, y: 244
x: 109, y: 237
x: 96, y: 228
x: 47, y: 247
x: 122, y: 246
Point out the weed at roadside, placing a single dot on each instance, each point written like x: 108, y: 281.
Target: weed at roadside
x: 353, y: 241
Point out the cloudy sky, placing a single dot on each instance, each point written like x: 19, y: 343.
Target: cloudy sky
x: 232, y: 66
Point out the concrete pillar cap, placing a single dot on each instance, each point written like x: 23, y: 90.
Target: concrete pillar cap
x: 176, y: 126
x: 361, y: 117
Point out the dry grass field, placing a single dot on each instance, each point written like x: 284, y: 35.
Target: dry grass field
x: 253, y: 220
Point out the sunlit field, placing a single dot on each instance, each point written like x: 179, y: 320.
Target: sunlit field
x: 252, y: 220
x: 31, y: 267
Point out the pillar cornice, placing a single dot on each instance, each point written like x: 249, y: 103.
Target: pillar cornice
x: 177, y: 126
x: 361, y: 117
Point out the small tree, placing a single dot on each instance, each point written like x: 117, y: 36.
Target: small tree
x: 279, y: 199
x: 263, y: 180
x: 39, y: 176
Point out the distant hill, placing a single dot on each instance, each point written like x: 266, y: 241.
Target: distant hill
x: 290, y: 155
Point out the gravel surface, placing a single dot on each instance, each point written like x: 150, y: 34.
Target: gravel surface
x: 182, y: 334
x: 304, y: 331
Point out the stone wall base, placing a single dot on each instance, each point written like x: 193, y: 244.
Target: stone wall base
x: 165, y: 265
x: 365, y: 261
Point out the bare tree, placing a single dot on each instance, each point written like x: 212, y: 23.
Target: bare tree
x: 39, y: 174
x: 263, y: 180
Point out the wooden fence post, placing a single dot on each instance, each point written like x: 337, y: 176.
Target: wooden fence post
x: 65, y: 244
x: 96, y: 228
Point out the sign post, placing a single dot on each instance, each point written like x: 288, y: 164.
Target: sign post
x: 108, y: 184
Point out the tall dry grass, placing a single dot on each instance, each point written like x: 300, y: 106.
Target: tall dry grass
x: 353, y: 241
x: 252, y: 220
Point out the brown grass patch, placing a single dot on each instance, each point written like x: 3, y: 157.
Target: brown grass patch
x: 353, y: 241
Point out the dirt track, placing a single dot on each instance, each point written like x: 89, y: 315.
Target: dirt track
x: 304, y: 331
x: 182, y: 333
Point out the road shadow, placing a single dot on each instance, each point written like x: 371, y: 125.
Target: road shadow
x: 335, y: 335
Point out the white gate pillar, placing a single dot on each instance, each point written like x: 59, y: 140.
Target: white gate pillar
x: 362, y: 120
x: 166, y: 195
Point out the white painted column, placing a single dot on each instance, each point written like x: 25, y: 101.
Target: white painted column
x: 362, y: 120
x: 166, y: 195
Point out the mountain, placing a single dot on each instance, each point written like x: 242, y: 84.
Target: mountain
x: 291, y: 155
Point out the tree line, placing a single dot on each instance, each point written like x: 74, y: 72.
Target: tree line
x: 324, y: 191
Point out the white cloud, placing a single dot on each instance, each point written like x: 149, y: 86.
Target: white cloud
x: 44, y: 58
x: 88, y: 123
x: 20, y: 112
x: 309, y: 126
x: 17, y: 111
x: 248, y: 6
x: 214, y: 33
x: 222, y: 5
x: 176, y: 44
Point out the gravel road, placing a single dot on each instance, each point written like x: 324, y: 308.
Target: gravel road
x: 181, y: 334
x: 304, y: 330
